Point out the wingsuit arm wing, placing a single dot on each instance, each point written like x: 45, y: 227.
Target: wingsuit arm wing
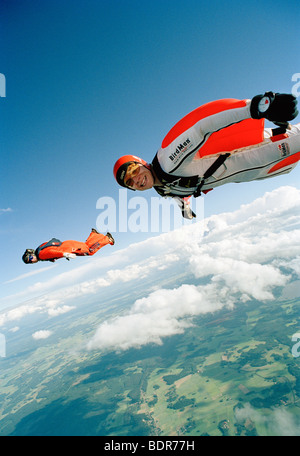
x: 185, y: 139
x: 50, y: 253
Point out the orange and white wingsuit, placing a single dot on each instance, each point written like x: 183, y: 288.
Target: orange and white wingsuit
x: 223, y: 128
x: 195, y: 142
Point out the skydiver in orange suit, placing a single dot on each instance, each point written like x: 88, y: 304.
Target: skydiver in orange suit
x: 54, y: 249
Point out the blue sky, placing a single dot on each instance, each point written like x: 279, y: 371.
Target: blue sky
x: 88, y: 81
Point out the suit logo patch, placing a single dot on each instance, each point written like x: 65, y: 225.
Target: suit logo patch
x: 284, y: 149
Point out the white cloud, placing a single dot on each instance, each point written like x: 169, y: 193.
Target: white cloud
x: 8, y: 209
x: 43, y: 304
x: 53, y: 312
x: 17, y: 313
x: 278, y: 422
x: 233, y: 257
x: 163, y: 313
x: 240, y: 257
x: 42, y: 334
x: 14, y: 329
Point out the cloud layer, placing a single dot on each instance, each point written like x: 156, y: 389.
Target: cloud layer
x: 232, y: 257
x: 242, y: 255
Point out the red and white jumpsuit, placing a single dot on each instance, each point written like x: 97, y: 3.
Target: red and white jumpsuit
x: 197, y: 140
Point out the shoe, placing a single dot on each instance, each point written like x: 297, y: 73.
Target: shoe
x: 95, y: 231
x: 112, y: 241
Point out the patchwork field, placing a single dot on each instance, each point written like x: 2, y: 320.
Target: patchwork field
x: 231, y: 373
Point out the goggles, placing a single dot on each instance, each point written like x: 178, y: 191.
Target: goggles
x: 132, y: 171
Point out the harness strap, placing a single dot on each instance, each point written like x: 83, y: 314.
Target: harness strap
x: 53, y: 242
x: 210, y: 171
x: 165, y: 178
x: 189, y: 181
x: 281, y: 129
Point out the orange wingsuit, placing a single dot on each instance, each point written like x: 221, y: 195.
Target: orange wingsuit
x: 94, y: 242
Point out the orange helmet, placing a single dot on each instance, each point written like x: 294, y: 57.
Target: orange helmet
x: 122, y: 164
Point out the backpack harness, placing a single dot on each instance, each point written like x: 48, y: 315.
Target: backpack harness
x: 53, y: 242
x: 187, y: 181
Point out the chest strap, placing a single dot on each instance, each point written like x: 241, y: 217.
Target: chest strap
x: 188, y: 181
x: 166, y: 178
x: 210, y: 171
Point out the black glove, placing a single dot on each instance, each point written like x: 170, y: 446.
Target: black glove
x: 278, y: 107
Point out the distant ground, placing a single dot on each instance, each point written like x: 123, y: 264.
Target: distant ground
x: 232, y: 373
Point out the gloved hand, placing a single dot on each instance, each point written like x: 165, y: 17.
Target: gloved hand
x: 184, y: 205
x: 274, y: 106
x: 188, y: 213
x: 68, y: 256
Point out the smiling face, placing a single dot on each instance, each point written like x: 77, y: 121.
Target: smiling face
x: 139, y: 178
